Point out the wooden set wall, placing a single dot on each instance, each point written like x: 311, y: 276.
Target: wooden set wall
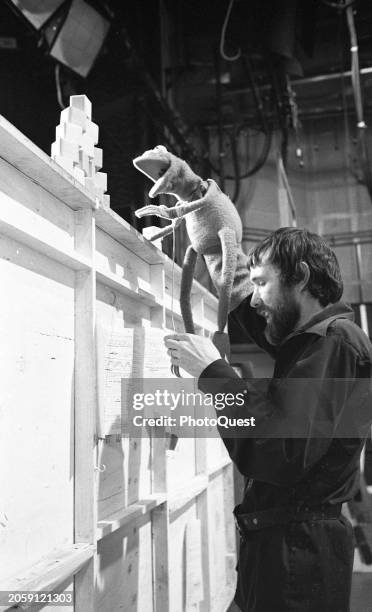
x: 124, y: 523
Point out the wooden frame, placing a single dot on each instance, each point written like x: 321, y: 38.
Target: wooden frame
x: 117, y: 499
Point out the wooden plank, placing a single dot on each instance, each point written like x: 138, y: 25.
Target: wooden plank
x: 137, y: 354
x: 124, y: 517
x: 194, y: 575
x: 85, y: 409
x: 184, y: 495
x: 125, y: 580
x: 216, y: 469
x: 230, y: 531
x: 51, y: 571
x: 27, y: 227
x: 124, y: 233
x: 32, y: 162
x: 118, y: 259
x: 157, y: 279
x: 202, y: 508
x: 161, y: 569
x: 160, y: 516
x: 36, y: 364
x: 124, y: 286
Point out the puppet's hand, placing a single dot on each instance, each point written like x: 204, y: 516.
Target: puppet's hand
x: 158, y: 211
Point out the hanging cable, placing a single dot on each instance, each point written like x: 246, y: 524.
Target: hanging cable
x: 265, y: 127
x: 228, y: 58
x: 57, y: 74
x: 234, y: 154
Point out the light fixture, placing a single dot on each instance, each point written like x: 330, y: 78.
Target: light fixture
x: 37, y: 12
x: 76, y: 38
x: 73, y: 30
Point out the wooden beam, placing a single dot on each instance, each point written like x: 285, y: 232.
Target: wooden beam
x: 128, y: 515
x: 26, y: 227
x: 52, y: 571
x: 85, y: 511
x: 124, y: 286
x: 182, y: 496
x: 124, y: 233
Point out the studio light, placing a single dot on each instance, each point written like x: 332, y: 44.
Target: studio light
x: 73, y: 30
x: 77, y: 40
x: 37, y: 12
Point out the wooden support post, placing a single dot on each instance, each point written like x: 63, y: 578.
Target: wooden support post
x: 85, y: 519
x: 160, y: 526
x: 157, y: 279
x: 202, y: 513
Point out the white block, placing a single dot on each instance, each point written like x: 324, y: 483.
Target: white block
x: 82, y: 103
x: 64, y: 148
x: 69, y: 131
x: 87, y: 144
x: 54, y: 150
x: 92, y: 130
x: 86, y: 163
x: 106, y: 200
x: 98, y: 158
x: 89, y: 184
x: 100, y: 180
x: 79, y: 175
x: 65, y: 163
x: 74, y: 115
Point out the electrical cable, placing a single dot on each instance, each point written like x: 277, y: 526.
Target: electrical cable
x: 57, y: 74
x: 258, y: 164
x: 228, y: 58
x: 340, y: 6
x: 236, y: 167
x: 265, y: 128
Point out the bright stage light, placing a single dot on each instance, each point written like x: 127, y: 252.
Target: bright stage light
x: 73, y: 30
x: 37, y: 12
x: 77, y: 41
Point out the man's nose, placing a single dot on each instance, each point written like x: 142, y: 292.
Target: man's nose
x: 255, y: 299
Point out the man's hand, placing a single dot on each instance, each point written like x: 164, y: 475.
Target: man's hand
x: 191, y: 353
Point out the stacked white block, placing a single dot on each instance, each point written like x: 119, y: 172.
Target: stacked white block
x: 74, y: 147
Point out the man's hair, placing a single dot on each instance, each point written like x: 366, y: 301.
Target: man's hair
x: 287, y: 247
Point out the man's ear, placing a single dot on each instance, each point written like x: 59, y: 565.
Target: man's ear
x: 305, y: 270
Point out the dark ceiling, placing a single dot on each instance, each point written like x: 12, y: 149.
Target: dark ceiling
x: 160, y: 74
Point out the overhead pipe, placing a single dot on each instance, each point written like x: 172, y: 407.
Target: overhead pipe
x: 357, y: 90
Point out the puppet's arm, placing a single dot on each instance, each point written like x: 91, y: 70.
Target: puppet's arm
x: 180, y: 210
x: 158, y: 211
x: 165, y: 231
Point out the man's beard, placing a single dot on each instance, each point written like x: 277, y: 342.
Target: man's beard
x: 283, y: 319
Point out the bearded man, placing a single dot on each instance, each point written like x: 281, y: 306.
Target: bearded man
x: 296, y: 550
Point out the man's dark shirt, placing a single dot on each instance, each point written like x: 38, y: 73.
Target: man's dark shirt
x: 318, y: 464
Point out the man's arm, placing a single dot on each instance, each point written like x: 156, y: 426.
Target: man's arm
x: 296, y: 419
